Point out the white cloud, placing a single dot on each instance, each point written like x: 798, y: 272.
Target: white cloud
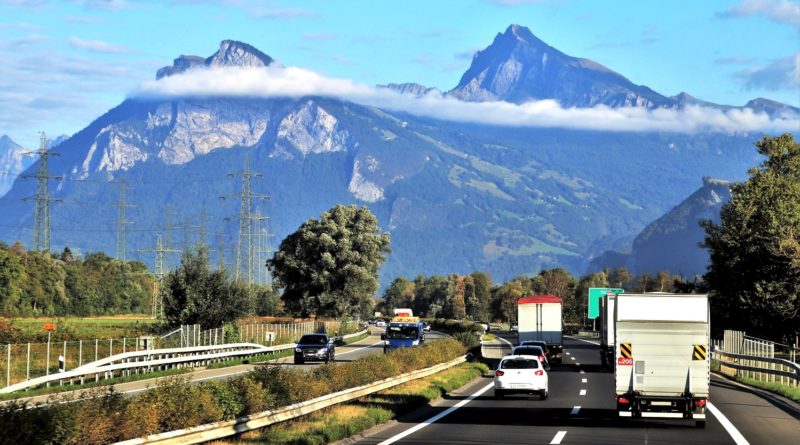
x: 98, y: 46
x: 297, y: 82
x: 779, y: 74
x: 779, y: 11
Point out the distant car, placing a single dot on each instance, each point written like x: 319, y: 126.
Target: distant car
x: 427, y: 326
x: 372, y: 321
x: 380, y: 323
x: 514, y: 327
x: 520, y: 374
x: 541, y: 343
x: 536, y: 351
x: 314, y: 347
x: 484, y: 325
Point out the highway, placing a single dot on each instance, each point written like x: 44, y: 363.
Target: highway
x: 581, y: 410
x: 345, y: 353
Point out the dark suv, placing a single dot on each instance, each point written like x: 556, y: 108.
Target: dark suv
x: 314, y: 347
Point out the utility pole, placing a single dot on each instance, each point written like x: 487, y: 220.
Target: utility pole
x: 158, y: 295
x: 262, y: 248
x: 41, y: 215
x: 122, y: 223
x: 245, y: 246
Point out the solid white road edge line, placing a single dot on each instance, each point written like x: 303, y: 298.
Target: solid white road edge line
x: 734, y: 433
x: 575, y: 410
x: 583, y: 392
x: 559, y: 437
x: 435, y: 418
x: 580, y: 339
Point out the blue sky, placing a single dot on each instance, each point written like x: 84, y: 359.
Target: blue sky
x: 64, y: 63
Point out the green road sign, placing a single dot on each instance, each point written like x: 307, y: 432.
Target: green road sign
x: 595, y: 294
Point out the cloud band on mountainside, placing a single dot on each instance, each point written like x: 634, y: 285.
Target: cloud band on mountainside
x: 296, y: 82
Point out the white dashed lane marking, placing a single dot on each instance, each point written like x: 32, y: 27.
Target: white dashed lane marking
x: 583, y: 392
x: 559, y: 437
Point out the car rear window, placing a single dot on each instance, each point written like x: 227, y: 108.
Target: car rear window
x: 519, y: 363
x: 313, y: 340
x: 528, y: 351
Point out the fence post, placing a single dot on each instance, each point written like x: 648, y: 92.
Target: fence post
x: 110, y: 347
x: 8, y: 366
x: 80, y: 353
x: 96, y: 347
x: 28, y: 365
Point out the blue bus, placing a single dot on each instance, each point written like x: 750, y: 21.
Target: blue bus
x: 403, y: 332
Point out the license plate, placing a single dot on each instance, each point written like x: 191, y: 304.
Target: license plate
x: 519, y: 385
x: 661, y: 403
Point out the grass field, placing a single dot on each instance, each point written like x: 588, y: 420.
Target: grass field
x: 83, y: 328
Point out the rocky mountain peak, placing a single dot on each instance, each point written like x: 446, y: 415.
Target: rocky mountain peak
x: 230, y: 53
x: 234, y: 53
x: 519, y: 67
x: 410, y: 88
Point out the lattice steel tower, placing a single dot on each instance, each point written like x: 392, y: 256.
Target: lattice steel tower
x: 41, y: 215
x: 246, y: 247
x: 122, y: 223
x: 158, y: 295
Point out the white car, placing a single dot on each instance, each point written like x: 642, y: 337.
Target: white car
x: 380, y: 324
x: 520, y: 374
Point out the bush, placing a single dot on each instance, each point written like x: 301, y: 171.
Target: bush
x: 174, y: 404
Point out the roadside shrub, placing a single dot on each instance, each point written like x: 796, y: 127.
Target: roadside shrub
x: 225, y: 397
x: 254, y: 396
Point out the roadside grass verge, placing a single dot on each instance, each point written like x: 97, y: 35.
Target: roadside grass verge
x: 55, y: 390
x: 343, y: 421
x: 489, y: 337
x: 174, y: 404
x: 791, y: 392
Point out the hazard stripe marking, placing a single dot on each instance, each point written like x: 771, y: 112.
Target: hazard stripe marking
x: 626, y: 350
x: 700, y: 352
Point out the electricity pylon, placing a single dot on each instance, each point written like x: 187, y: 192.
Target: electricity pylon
x: 41, y: 215
x: 158, y: 295
x: 246, y: 244
x: 122, y: 223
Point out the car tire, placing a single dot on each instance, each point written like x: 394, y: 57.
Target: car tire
x: 543, y: 394
x: 498, y: 394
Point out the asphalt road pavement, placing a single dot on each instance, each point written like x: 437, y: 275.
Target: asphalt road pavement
x: 581, y: 410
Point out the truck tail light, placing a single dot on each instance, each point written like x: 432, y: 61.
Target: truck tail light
x: 499, y: 373
x: 700, y: 403
x: 622, y: 400
x: 539, y: 372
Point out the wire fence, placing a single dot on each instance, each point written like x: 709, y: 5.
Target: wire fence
x: 24, y: 361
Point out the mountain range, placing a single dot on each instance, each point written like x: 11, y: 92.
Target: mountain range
x: 13, y: 162
x: 672, y: 242
x: 456, y: 197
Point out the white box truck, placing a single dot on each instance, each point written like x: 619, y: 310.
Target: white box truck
x: 607, y: 330
x: 539, y: 318
x: 661, y: 345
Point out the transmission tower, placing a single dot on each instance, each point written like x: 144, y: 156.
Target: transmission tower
x: 245, y: 247
x: 263, y: 248
x: 158, y: 296
x: 41, y: 215
x: 122, y: 223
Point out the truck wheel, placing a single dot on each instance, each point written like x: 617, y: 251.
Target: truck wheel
x: 700, y: 423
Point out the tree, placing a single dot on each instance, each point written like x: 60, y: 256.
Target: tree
x: 11, y: 273
x: 330, y: 266
x: 194, y: 293
x: 754, y: 270
x: 478, y: 308
x: 505, y: 299
x: 399, y: 294
x: 619, y: 277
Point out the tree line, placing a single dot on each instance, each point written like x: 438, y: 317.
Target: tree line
x: 41, y: 283
x: 476, y: 297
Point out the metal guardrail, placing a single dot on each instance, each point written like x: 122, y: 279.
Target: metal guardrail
x: 735, y: 365
x: 156, y: 358
x: 218, y: 430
